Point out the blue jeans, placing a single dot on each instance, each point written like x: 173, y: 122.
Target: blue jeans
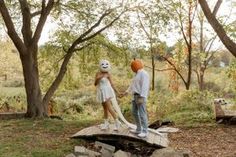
x: 140, y: 116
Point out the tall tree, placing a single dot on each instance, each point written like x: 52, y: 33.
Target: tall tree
x: 204, y: 55
x: 27, y: 42
x: 185, y: 16
x: 218, y: 28
x: 152, y: 20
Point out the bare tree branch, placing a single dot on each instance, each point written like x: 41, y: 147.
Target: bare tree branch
x: 195, y: 11
x: 143, y: 28
x: 217, y: 6
x: 175, y: 69
x: 26, y: 27
x: 35, y: 13
x: 105, y: 27
x: 11, y: 28
x: 182, y: 31
x: 167, y: 69
x: 43, y: 17
x: 229, y: 44
x: 81, y: 48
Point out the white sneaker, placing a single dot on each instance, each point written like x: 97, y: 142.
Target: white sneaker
x: 142, y: 135
x: 117, y: 125
x: 105, y: 126
x: 134, y: 131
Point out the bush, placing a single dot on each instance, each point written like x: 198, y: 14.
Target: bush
x: 77, y: 104
x: 231, y: 73
x: 185, y: 107
x: 16, y: 103
x: 212, y: 86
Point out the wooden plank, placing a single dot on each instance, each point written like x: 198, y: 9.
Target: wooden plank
x: 230, y: 113
x: 162, y: 140
x: 150, y: 138
x: 95, y: 131
x: 224, y: 116
x: 218, y: 110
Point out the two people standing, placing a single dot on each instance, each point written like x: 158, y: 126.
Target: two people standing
x: 139, y: 88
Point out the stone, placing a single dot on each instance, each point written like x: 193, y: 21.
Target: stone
x: 169, y: 152
x: 121, y: 153
x: 70, y: 155
x: 105, y: 146
x: 80, y: 150
x: 93, y: 153
x: 106, y: 153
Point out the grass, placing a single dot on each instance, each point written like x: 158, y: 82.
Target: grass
x: 39, y: 138
x: 12, y: 91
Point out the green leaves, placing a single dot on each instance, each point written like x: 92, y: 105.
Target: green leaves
x: 231, y: 71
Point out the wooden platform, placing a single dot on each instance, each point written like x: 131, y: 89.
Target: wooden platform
x: 123, y: 134
x: 219, y: 112
x: 223, y: 115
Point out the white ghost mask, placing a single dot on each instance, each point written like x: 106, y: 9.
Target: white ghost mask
x: 104, y: 65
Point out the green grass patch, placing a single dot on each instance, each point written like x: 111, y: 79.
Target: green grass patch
x: 191, y: 117
x: 39, y: 138
x: 12, y: 91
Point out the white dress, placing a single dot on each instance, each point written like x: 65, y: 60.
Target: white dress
x: 104, y: 90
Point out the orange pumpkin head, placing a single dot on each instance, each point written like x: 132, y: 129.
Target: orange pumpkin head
x: 136, y: 65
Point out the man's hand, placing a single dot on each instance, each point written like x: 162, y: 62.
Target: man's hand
x: 140, y: 100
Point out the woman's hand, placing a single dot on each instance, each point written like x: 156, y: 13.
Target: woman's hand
x: 140, y: 100
x: 123, y: 94
x: 99, y: 76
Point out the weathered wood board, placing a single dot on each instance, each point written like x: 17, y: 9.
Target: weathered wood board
x: 223, y: 115
x: 220, y: 113
x: 123, y: 133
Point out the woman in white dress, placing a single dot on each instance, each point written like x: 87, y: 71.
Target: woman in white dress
x: 105, y: 92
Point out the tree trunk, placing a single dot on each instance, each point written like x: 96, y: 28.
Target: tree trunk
x: 189, y: 45
x: 153, y: 72
x: 202, y: 70
x: 188, y: 83
x: 201, y: 78
x: 218, y: 28
x: 35, y: 108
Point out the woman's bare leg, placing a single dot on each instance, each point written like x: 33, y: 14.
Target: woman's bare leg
x: 113, y: 114
x: 105, y: 110
x: 106, y: 122
x: 109, y: 108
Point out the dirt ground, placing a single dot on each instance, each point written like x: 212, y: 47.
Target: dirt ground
x: 206, y: 141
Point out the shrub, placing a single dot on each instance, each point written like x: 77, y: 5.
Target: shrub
x: 212, y: 86
x: 185, y: 107
x: 231, y: 73
x: 16, y: 103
